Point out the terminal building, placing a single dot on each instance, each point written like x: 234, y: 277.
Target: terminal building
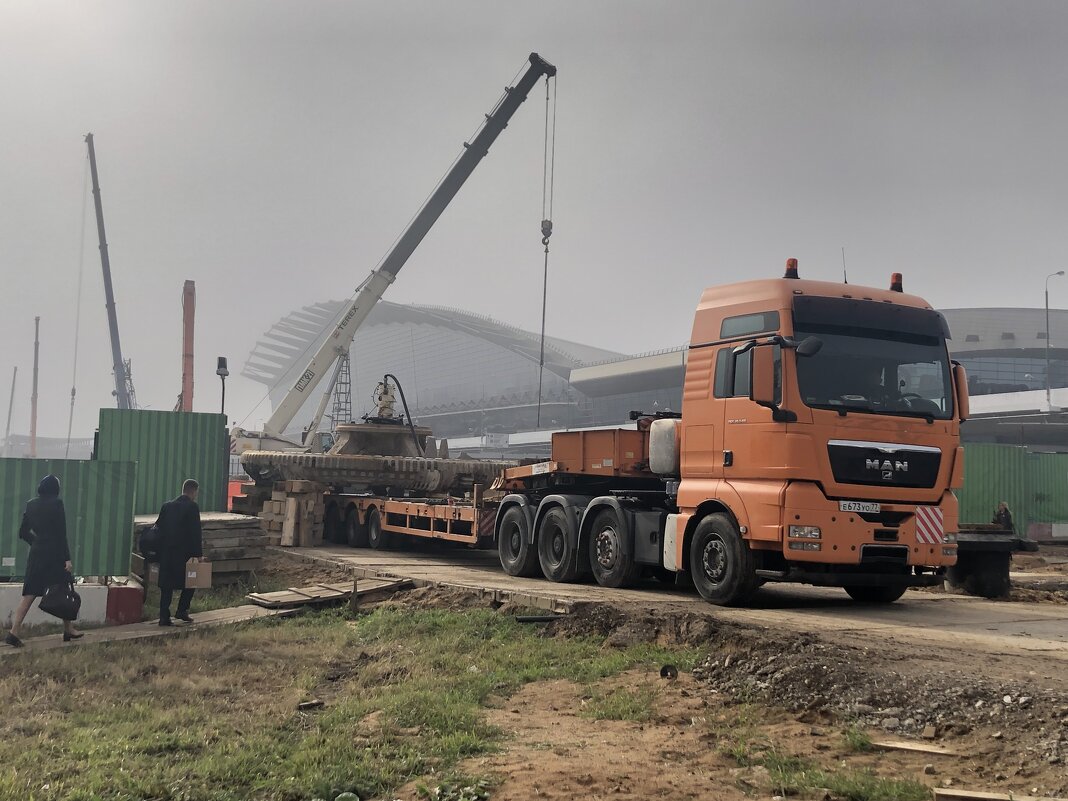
x: 475, y: 380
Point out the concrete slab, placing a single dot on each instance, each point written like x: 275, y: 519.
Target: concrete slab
x: 94, y: 605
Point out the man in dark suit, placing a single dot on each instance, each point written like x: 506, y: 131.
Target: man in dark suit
x: 179, y: 527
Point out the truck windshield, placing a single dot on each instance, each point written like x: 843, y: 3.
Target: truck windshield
x: 876, y: 372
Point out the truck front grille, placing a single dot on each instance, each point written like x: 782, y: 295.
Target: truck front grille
x: 884, y: 464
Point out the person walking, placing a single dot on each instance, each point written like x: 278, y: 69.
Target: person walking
x: 44, y: 527
x: 180, y: 541
x: 1003, y: 517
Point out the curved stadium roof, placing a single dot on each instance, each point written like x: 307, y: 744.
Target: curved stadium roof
x: 291, y: 341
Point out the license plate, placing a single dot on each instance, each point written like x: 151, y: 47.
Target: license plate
x: 862, y: 507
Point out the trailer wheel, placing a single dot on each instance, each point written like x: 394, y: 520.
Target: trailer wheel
x: 610, y: 560
x: 518, y: 555
x: 377, y: 538
x: 721, y: 564
x: 875, y: 595
x: 355, y: 531
x: 558, y: 557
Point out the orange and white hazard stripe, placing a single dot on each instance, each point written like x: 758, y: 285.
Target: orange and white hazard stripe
x: 929, y: 525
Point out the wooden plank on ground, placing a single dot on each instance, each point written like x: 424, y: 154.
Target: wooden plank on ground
x: 977, y: 795
x: 912, y: 745
x: 367, y: 590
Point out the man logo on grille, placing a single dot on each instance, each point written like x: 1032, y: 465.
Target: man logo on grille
x: 886, y: 467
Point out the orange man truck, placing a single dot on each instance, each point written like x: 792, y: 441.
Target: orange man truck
x: 818, y: 443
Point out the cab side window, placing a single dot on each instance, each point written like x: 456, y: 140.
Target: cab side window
x: 742, y: 372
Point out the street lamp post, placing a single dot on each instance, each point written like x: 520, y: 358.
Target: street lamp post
x: 222, y: 372
x: 1049, y: 384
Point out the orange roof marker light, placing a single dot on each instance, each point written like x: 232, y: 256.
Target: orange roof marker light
x: 791, y: 269
x: 895, y: 283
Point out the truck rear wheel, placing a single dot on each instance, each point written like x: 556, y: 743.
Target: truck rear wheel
x: 518, y: 555
x: 721, y: 564
x: 610, y: 559
x: 376, y: 537
x: 355, y: 531
x: 558, y: 557
x: 867, y: 594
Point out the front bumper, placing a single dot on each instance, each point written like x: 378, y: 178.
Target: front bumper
x: 901, y: 533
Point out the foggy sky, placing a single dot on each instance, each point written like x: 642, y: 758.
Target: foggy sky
x: 272, y: 151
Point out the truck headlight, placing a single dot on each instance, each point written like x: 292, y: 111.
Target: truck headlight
x: 804, y: 546
x: 949, y: 537
x: 805, y: 532
x: 949, y: 552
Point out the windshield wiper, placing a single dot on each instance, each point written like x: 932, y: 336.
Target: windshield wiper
x: 842, y: 408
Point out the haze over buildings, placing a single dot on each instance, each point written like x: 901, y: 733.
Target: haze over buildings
x: 271, y: 152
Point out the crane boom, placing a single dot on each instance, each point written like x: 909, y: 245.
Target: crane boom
x: 380, y: 279
x: 122, y: 393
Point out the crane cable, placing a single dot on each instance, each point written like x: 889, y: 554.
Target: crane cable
x: 78, y: 308
x: 547, y: 182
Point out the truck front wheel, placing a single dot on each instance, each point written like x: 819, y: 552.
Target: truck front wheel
x: 610, y: 560
x: 518, y: 555
x: 721, y: 564
x: 875, y: 595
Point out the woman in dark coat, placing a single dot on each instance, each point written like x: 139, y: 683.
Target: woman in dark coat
x: 44, y: 527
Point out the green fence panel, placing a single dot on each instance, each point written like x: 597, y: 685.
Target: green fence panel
x: 168, y: 448
x: 1035, y: 485
x: 1049, y: 486
x: 99, y: 500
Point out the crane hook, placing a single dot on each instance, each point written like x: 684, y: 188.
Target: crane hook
x: 546, y: 231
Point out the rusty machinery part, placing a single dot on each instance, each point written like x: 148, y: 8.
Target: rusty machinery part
x: 385, y: 401
x: 367, y: 472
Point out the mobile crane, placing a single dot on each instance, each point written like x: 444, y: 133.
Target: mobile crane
x: 368, y: 293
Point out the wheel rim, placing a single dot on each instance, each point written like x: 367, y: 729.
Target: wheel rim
x: 557, y: 545
x: 515, y: 541
x: 714, y: 560
x: 606, y: 548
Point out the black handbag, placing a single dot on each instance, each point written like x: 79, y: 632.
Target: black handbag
x: 60, y: 600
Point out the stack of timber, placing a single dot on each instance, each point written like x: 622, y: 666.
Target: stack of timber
x: 251, y: 499
x: 234, y: 544
x: 293, y: 517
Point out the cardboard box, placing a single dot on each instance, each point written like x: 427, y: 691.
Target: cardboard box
x: 197, y: 574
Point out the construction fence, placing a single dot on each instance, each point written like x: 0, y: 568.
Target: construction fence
x: 99, y: 500
x: 168, y: 448
x: 1034, y: 485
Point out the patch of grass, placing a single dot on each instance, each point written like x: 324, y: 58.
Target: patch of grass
x: 863, y: 785
x: 857, y: 740
x: 622, y: 704
x: 458, y: 789
x: 794, y: 775
x: 212, y: 716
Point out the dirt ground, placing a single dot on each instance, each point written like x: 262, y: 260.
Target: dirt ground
x: 799, y: 693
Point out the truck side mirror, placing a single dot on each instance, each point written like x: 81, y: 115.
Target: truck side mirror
x: 809, y: 346
x: 960, y: 388
x: 762, y: 385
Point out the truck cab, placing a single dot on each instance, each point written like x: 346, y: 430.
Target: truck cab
x: 819, y: 441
